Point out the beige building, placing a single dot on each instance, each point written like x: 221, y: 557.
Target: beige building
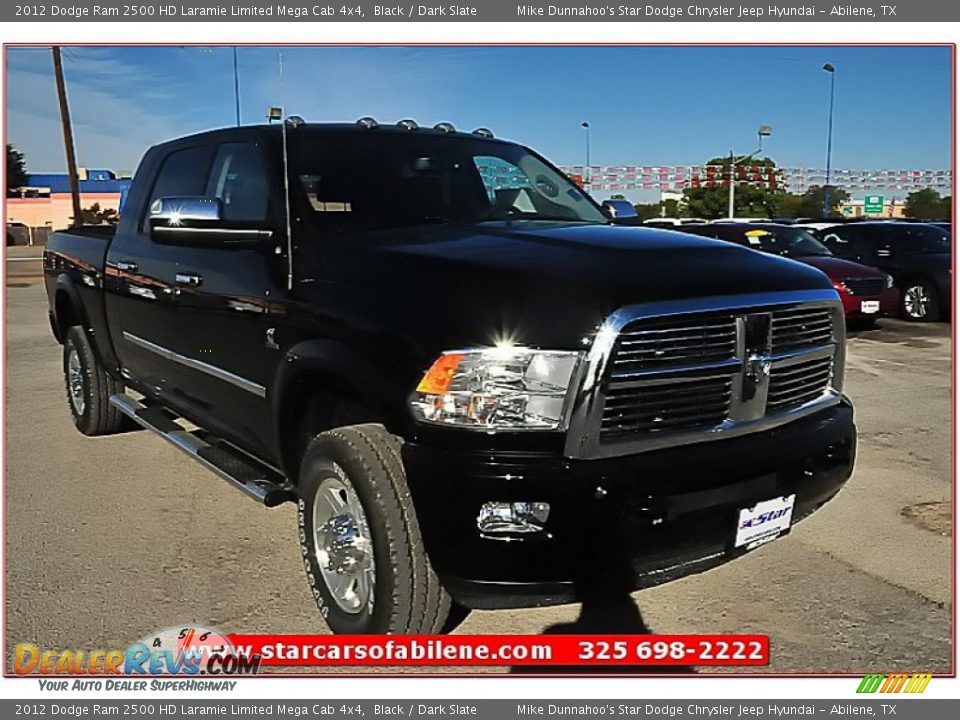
x: 55, y: 211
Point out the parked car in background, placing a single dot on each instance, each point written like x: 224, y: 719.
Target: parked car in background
x: 866, y: 293
x: 672, y: 223
x: 917, y: 255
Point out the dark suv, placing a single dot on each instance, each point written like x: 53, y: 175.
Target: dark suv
x: 917, y: 255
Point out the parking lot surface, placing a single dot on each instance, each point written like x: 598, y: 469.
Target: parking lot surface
x: 109, y: 539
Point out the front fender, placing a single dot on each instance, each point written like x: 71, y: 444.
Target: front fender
x: 344, y: 370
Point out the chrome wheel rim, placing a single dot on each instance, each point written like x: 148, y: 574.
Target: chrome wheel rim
x: 75, y: 382
x: 916, y: 301
x: 343, y: 545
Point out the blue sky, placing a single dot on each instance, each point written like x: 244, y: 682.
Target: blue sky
x: 646, y: 105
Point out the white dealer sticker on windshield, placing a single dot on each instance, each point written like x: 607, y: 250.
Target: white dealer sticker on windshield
x: 763, y: 522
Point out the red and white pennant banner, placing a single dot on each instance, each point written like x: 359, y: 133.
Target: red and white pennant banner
x: 679, y: 177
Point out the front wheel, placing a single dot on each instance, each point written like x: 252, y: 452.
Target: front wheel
x: 919, y: 301
x: 359, y: 537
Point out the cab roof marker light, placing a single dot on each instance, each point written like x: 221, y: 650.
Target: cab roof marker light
x: 445, y: 127
x: 296, y: 121
x: 367, y: 122
x: 408, y: 125
x: 483, y: 132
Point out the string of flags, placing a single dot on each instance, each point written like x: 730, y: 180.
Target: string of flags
x: 680, y: 177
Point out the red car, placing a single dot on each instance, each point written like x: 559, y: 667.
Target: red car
x: 867, y: 293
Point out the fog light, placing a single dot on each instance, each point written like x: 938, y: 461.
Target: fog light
x: 497, y: 518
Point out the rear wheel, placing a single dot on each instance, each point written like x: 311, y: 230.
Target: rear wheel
x: 359, y: 538
x: 89, y: 387
x: 919, y: 302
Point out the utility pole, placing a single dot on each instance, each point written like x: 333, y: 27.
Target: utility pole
x: 67, y: 137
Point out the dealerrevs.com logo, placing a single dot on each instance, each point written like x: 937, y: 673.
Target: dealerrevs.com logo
x: 185, y: 650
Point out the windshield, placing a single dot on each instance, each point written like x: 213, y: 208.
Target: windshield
x: 788, y: 241
x: 351, y: 182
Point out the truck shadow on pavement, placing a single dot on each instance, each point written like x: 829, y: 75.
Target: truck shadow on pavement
x: 603, y: 611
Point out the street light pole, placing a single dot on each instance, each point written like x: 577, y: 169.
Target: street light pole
x: 826, y: 188
x: 762, y: 132
x: 589, y: 176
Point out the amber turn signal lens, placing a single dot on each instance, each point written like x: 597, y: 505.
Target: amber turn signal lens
x: 440, y: 374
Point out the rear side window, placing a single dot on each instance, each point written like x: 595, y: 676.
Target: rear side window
x: 183, y: 172
x: 239, y: 179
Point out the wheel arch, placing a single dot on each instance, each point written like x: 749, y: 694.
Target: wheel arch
x: 323, y: 384
x: 68, y: 309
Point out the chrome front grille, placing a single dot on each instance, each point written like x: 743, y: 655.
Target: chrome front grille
x: 802, y: 327
x: 797, y: 384
x: 667, y: 344
x: 677, y: 373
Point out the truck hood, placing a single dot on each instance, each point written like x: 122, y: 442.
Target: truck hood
x: 549, y: 283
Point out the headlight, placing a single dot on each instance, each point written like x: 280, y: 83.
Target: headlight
x: 889, y: 281
x: 496, y: 388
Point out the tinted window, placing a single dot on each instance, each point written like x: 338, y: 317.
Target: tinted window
x: 369, y: 182
x: 914, y: 239
x: 780, y: 240
x: 239, y: 179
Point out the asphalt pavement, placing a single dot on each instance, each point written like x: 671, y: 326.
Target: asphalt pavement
x: 109, y: 539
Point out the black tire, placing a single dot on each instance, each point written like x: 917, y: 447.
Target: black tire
x: 89, y: 401
x: 361, y: 464
x: 919, y: 301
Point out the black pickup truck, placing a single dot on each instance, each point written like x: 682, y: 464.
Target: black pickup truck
x: 477, y: 389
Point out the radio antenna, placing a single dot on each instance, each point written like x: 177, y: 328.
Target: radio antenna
x: 286, y: 175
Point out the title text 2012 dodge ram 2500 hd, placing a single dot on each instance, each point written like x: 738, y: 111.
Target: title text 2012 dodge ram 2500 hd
x: 479, y: 392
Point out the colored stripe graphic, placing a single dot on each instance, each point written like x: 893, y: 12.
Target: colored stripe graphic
x: 894, y: 683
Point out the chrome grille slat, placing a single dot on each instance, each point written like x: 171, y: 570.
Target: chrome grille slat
x: 797, y: 384
x: 658, y: 344
x: 659, y: 408
x: 798, y: 327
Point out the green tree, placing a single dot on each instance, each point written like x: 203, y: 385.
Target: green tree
x: 16, y: 169
x: 647, y: 210
x: 749, y: 200
x: 927, y: 205
x: 93, y: 215
x: 810, y: 203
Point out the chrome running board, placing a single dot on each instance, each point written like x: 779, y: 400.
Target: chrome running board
x: 252, y: 478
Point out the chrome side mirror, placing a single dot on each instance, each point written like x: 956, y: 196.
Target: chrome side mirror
x: 199, y: 220
x: 174, y: 212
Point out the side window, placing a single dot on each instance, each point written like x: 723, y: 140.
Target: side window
x: 239, y: 179
x: 183, y: 172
